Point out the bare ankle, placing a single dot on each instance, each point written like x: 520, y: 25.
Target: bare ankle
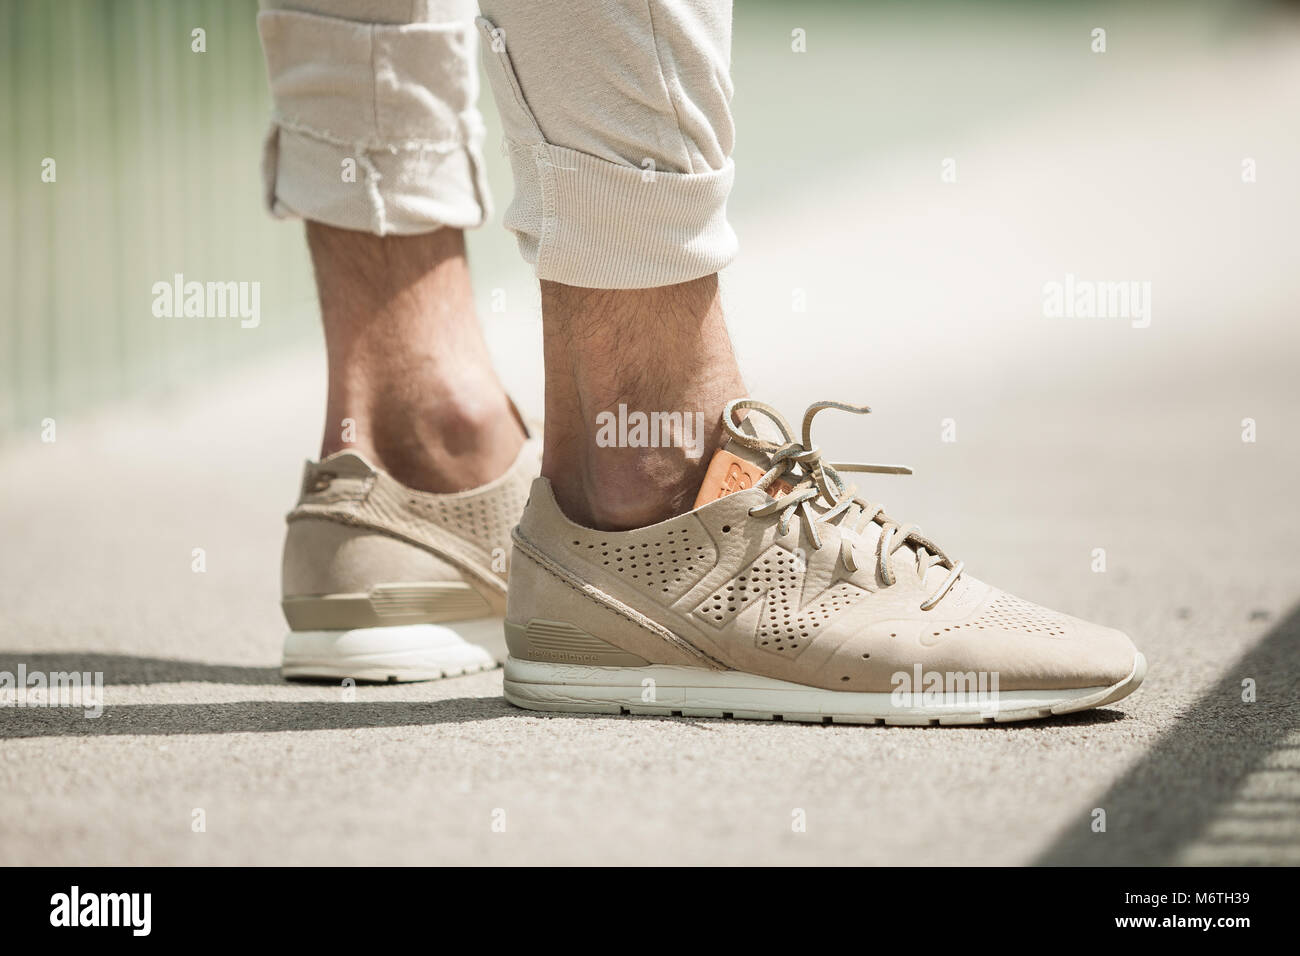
x: 639, y: 490
x: 661, y: 354
x: 411, y: 384
x: 444, y: 443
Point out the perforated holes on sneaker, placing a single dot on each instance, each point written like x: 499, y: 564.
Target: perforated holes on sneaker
x: 775, y: 581
x: 1008, y: 613
x: 484, y: 519
x: 666, y: 566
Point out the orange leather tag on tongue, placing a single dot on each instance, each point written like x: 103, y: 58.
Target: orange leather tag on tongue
x: 730, y: 473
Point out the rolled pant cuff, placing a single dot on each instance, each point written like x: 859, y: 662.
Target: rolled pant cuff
x: 601, y: 225
x: 586, y: 221
x: 374, y: 126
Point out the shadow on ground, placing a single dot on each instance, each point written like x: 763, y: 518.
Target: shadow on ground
x: 125, y: 669
x: 247, y: 717
x: 1194, y: 776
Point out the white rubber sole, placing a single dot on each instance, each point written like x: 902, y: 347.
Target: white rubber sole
x: 665, y: 690
x: 404, y: 652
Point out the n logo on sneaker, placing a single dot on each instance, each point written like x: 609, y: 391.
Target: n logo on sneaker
x: 785, y: 623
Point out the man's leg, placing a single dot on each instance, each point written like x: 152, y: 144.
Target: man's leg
x: 621, y: 153
x: 396, y: 553
x: 376, y: 143
x: 407, y: 362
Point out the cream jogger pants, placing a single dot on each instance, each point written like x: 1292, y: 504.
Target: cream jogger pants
x: 615, y: 113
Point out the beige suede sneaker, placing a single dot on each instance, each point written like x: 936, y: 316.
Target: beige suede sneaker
x: 385, y: 583
x: 785, y: 595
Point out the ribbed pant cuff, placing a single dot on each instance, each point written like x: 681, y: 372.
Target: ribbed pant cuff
x: 601, y: 225
x: 586, y: 221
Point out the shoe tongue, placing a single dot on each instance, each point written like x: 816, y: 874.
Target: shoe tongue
x: 760, y: 426
x: 735, y: 467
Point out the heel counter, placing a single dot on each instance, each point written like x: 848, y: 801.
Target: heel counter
x: 533, y: 632
x: 549, y: 619
x: 337, y: 576
x: 329, y: 557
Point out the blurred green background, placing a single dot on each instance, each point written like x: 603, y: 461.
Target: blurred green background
x: 157, y: 151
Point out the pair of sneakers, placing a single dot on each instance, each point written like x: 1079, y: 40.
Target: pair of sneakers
x: 784, y: 594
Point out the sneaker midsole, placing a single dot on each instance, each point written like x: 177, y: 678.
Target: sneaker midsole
x: 402, y: 652
x: 660, y: 687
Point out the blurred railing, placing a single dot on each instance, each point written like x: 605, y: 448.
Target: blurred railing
x: 155, y: 153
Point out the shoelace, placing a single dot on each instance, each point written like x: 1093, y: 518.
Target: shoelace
x: 815, y: 479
